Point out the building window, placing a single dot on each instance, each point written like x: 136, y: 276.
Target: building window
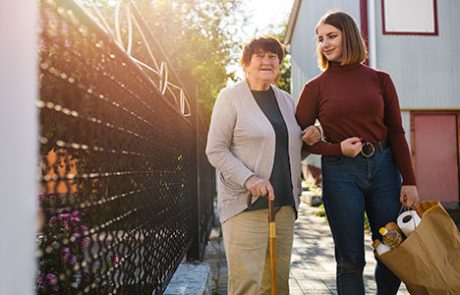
x: 409, y: 17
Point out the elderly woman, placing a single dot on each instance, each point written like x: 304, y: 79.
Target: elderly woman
x: 254, y: 142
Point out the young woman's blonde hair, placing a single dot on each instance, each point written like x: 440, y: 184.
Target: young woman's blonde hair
x: 353, y: 45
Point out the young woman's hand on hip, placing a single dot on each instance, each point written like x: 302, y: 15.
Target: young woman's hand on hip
x: 351, y: 147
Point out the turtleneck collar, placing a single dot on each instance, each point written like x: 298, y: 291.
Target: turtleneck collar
x: 336, y: 67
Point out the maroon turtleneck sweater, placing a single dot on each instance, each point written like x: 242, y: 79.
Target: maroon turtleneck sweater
x: 355, y: 100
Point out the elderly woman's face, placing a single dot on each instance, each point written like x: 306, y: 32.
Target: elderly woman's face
x: 263, y: 67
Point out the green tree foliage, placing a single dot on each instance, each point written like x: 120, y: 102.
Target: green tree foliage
x: 199, y: 37
x: 284, y: 81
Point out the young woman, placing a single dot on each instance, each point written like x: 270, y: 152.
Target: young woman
x: 366, y: 154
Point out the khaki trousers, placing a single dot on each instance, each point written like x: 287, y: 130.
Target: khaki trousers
x: 247, y: 251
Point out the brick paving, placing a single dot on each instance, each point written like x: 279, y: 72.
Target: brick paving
x: 313, y: 264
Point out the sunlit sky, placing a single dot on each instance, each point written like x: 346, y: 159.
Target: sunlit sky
x: 265, y: 16
x: 266, y: 13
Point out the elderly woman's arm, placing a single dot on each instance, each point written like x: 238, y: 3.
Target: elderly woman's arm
x: 312, y: 134
x: 220, y: 135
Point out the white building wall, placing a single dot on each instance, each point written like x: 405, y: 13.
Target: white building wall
x: 303, y: 41
x: 424, y: 68
x: 18, y: 148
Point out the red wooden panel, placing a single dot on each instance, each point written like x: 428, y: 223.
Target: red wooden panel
x: 436, y: 157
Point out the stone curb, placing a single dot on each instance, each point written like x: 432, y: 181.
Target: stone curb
x: 190, y: 278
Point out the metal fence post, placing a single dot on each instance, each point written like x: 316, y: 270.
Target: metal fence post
x: 194, y: 250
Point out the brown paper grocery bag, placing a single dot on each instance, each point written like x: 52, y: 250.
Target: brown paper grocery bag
x: 428, y: 261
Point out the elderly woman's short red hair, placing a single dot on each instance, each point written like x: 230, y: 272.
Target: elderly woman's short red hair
x: 263, y: 43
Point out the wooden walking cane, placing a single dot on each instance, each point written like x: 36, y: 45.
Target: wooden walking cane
x: 272, y: 245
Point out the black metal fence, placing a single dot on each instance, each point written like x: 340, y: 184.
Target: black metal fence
x: 126, y: 190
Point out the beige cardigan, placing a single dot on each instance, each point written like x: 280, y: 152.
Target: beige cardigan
x: 241, y: 143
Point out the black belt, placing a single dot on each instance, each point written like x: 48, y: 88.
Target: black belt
x: 371, y: 148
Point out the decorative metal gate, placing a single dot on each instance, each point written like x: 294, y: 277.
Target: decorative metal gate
x: 125, y: 188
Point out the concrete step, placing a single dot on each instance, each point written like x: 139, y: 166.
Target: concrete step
x: 311, y: 198
x: 190, y: 278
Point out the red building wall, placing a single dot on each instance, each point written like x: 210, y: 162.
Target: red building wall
x: 435, y: 151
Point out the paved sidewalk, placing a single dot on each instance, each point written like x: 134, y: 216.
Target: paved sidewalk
x: 313, y: 264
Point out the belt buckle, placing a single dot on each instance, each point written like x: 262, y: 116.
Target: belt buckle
x: 367, y: 150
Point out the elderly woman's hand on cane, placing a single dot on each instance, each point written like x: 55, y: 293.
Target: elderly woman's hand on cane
x: 260, y: 187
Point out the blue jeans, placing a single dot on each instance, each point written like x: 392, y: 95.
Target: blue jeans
x: 352, y: 186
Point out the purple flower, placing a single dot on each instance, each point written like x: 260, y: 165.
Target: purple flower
x: 75, y: 219
x: 66, y: 253
x: 41, y: 281
x: 64, y: 216
x: 73, y: 259
x: 66, y: 224
x: 116, y: 259
x: 85, y: 242
x: 53, y: 220
x: 75, y: 216
x: 52, y: 278
x: 68, y: 256
x: 55, y: 288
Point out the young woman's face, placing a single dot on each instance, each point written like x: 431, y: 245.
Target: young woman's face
x: 330, y: 42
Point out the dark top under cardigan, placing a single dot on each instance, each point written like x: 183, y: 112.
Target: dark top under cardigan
x: 280, y: 177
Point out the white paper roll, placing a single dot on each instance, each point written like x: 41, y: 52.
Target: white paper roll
x: 408, y: 221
